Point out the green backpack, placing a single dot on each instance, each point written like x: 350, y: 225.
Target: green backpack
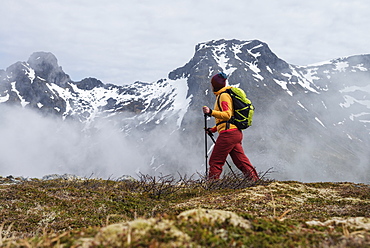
x: 243, y: 108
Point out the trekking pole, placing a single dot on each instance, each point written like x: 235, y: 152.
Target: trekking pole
x: 213, y: 139
x: 205, y: 142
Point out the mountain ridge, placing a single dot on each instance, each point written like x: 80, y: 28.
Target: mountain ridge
x: 321, y: 110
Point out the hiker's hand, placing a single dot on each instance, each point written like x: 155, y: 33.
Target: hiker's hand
x: 206, y: 110
x: 209, y: 131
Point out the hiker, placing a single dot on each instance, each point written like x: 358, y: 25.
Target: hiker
x: 230, y: 137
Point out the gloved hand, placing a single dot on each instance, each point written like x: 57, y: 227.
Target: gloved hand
x: 209, y: 131
x: 207, y: 111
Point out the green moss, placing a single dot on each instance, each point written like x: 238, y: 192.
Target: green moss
x: 72, y: 212
x: 322, y: 185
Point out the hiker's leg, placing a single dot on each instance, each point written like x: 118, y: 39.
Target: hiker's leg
x: 243, y: 163
x: 224, y: 144
x: 241, y: 160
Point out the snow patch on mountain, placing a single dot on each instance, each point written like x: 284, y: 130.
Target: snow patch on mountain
x: 319, y: 121
x: 14, y: 89
x: 29, y: 72
x: 283, y: 85
x: 181, y: 102
x: 4, y: 98
x: 310, y: 74
x: 355, y: 88
x: 318, y: 64
x: 219, y: 54
x: 80, y: 101
x: 350, y: 100
x: 256, y: 70
x: 257, y: 54
x: 341, y: 66
x: 301, y: 105
x: 269, y: 69
x: 175, y: 91
x: 307, y: 79
x: 354, y: 116
x: 359, y: 67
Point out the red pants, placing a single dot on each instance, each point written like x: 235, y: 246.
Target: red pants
x: 230, y: 142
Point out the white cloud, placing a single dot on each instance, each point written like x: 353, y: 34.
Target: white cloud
x: 124, y: 41
x: 45, y: 146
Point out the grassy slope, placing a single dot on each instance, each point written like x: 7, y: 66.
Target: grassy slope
x: 159, y: 213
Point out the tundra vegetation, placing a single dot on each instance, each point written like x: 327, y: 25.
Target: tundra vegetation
x: 169, y: 211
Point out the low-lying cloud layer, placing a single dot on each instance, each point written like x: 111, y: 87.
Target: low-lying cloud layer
x: 33, y: 146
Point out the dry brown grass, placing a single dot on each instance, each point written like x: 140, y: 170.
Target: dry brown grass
x: 150, y: 213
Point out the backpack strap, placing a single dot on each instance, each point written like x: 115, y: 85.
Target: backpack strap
x: 219, y: 106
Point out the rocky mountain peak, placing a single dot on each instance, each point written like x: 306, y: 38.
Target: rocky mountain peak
x: 89, y: 83
x: 45, y: 65
x: 39, y: 60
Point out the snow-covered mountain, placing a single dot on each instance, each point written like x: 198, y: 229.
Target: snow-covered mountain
x: 316, y: 116
x: 41, y: 84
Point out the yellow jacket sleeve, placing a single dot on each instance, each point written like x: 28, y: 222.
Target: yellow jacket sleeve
x: 226, y: 111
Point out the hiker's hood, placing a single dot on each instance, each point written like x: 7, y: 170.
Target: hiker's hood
x: 222, y: 90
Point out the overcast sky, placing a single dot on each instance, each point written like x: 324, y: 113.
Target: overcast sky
x: 121, y: 41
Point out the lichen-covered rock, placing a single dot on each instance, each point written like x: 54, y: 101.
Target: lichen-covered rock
x: 163, y: 231
x: 211, y: 216
x: 352, y: 222
x: 134, y: 232
x: 58, y: 176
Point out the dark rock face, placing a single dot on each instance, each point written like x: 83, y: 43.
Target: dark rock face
x: 89, y: 84
x: 46, y: 66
